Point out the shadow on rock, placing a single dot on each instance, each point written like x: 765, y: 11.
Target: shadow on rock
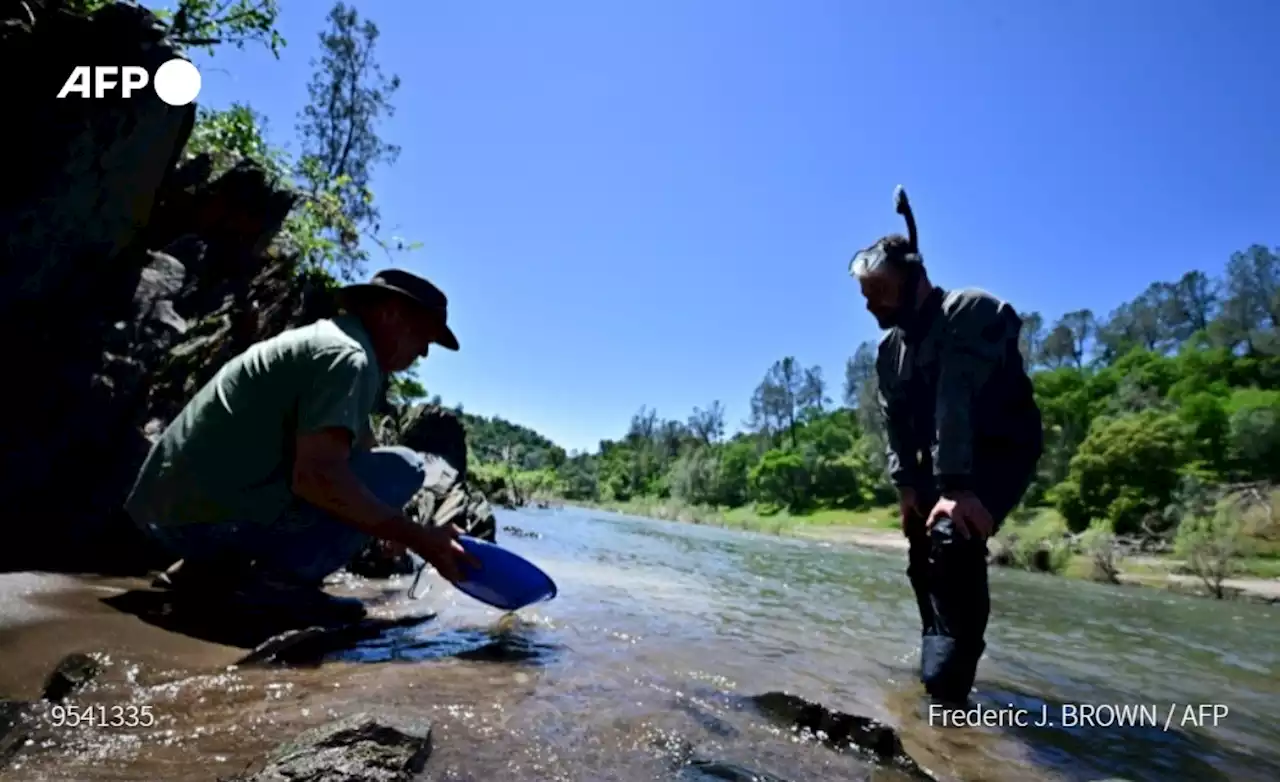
x: 244, y: 630
x: 1115, y: 746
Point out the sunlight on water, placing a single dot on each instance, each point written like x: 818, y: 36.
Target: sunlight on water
x: 640, y: 665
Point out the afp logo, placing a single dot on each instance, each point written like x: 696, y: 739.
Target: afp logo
x: 177, y: 82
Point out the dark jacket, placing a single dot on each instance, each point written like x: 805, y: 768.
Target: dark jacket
x: 955, y: 395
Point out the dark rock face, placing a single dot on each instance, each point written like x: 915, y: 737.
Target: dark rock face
x: 356, y: 749
x: 72, y: 213
x: 129, y: 273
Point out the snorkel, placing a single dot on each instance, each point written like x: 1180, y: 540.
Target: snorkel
x: 912, y: 264
x: 896, y: 255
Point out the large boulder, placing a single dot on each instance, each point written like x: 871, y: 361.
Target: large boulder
x: 75, y: 202
x: 132, y: 272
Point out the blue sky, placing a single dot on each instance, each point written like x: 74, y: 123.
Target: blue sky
x: 648, y: 203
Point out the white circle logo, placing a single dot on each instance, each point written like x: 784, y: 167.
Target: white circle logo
x: 177, y: 82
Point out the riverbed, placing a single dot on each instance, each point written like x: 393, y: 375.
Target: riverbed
x: 657, y: 627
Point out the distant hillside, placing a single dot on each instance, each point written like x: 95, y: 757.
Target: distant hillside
x: 497, y: 440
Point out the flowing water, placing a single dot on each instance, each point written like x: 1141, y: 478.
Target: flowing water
x: 656, y: 628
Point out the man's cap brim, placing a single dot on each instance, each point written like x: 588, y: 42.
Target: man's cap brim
x: 448, y: 340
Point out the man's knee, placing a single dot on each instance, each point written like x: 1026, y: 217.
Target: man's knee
x: 393, y: 473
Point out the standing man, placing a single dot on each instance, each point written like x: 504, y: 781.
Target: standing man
x: 269, y: 479
x: 964, y: 438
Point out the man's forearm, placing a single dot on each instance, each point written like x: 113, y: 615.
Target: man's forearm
x: 337, y: 491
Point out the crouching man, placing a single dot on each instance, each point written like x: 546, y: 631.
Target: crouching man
x: 268, y: 480
x: 964, y: 437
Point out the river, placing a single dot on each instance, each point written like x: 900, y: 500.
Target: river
x: 657, y: 625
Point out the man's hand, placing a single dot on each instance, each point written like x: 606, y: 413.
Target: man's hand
x: 439, y: 546
x: 968, y: 513
x: 907, y: 508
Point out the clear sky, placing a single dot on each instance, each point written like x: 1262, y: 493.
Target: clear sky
x: 648, y: 203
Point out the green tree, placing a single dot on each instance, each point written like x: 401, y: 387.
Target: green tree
x: 1254, y: 433
x: 340, y: 143
x: 781, y: 480
x: 1125, y: 471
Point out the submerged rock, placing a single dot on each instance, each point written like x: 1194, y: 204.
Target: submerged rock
x: 837, y: 730
x: 72, y: 674
x: 360, y: 748
x: 710, y: 770
x: 15, y: 723
x: 310, y: 645
x: 18, y: 719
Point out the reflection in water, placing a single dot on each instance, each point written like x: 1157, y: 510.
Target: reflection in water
x: 638, y: 671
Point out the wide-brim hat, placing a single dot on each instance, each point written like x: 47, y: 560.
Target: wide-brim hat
x: 397, y: 282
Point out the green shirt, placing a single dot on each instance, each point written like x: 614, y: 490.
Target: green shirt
x: 228, y: 456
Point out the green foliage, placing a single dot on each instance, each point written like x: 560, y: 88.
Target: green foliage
x: 207, y: 24
x: 498, y: 441
x: 340, y: 145
x: 781, y: 479
x: 1098, y: 543
x: 1125, y: 471
x: 1037, y: 543
x: 1212, y: 544
x: 1253, y: 437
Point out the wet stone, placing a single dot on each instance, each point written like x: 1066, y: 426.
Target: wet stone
x: 360, y: 748
x: 715, y: 770
x: 311, y: 645
x: 15, y: 718
x: 838, y: 730
x: 72, y: 674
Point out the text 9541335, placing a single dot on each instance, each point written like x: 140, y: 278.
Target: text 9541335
x: 126, y: 716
